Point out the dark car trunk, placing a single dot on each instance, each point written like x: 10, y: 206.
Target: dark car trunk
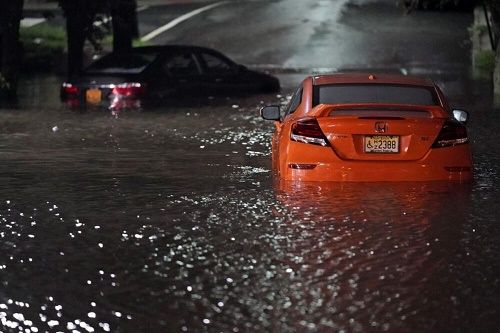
x: 98, y: 89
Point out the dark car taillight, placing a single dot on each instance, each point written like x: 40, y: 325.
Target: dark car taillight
x: 452, y: 133
x: 130, y: 89
x: 69, y: 89
x: 308, y: 131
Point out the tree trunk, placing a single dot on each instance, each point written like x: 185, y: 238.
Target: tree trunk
x: 75, y: 29
x: 496, y: 79
x: 10, y: 47
x: 124, y: 24
x: 495, y: 21
x: 80, y: 16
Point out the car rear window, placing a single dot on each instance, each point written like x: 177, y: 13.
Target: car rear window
x: 374, y: 93
x: 122, y: 63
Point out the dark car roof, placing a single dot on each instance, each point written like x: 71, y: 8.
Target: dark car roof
x: 169, y: 48
x: 162, y: 49
x: 109, y: 60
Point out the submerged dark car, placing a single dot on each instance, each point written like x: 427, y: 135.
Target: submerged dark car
x: 152, y: 74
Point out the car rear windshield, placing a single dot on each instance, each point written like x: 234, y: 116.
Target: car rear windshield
x: 374, y: 93
x: 132, y: 63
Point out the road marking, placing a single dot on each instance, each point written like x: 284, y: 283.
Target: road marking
x: 179, y: 20
x: 30, y: 22
x: 140, y: 9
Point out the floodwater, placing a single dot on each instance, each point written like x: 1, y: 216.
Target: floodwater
x: 170, y: 220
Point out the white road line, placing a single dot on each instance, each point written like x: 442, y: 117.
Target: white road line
x: 180, y: 19
x: 140, y: 9
x: 30, y: 22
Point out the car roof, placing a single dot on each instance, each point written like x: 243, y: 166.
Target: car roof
x: 158, y: 51
x: 368, y: 78
x: 169, y: 48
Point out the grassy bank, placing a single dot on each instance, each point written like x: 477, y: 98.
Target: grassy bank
x: 43, y: 47
x: 485, y: 61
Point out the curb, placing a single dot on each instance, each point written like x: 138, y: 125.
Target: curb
x: 52, y: 5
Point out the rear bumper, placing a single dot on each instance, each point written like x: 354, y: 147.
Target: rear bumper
x: 108, y: 102
x: 450, y: 163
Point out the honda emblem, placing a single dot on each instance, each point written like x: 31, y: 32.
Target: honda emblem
x: 381, y: 127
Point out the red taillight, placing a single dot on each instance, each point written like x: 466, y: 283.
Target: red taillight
x: 129, y: 89
x: 452, y: 133
x: 69, y: 89
x: 308, y: 131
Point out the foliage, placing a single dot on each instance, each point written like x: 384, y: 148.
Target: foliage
x: 43, y: 46
x: 139, y: 42
x: 107, y: 41
x: 45, y: 31
x: 480, y: 29
x: 485, y: 60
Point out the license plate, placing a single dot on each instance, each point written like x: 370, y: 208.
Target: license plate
x: 382, y: 144
x: 93, y: 96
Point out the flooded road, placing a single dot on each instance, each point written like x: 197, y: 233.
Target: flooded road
x: 169, y: 220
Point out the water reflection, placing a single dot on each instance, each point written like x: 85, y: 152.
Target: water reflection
x: 376, y: 256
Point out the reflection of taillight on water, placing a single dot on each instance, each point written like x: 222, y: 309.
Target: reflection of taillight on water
x: 452, y: 133
x: 129, y: 89
x: 308, y: 131
x: 69, y: 88
x: 118, y: 104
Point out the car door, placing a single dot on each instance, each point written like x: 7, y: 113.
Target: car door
x: 293, y: 104
x: 180, y: 74
x: 219, y: 74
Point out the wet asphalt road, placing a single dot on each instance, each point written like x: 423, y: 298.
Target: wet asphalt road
x: 169, y: 220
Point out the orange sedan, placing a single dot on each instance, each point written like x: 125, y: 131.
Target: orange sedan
x: 362, y: 127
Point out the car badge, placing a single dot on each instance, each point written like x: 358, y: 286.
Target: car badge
x: 381, y: 127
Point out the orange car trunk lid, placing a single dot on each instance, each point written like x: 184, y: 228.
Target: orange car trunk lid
x: 382, y: 134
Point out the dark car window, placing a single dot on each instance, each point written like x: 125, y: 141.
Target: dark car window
x: 294, y: 102
x: 122, y: 63
x: 216, y: 65
x: 374, y: 93
x: 181, y: 65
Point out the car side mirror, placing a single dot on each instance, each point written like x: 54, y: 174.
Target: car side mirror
x: 271, y: 112
x: 461, y: 115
